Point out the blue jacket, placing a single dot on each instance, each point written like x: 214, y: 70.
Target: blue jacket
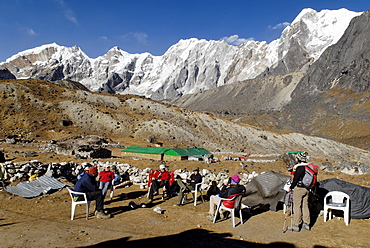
x: 87, y: 183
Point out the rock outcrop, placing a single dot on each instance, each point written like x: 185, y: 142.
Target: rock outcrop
x: 6, y: 74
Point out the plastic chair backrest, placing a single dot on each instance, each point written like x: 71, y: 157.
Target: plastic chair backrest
x: 337, y: 196
x: 74, y: 196
x: 236, y: 199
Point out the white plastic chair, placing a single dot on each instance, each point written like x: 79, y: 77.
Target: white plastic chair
x: 237, y: 206
x: 336, y: 200
x: 74, y: 196
x: 198, y: 188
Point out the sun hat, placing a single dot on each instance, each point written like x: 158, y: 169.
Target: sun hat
x: 162, y: 166
x: 235, y: 178
x: 93, y: 170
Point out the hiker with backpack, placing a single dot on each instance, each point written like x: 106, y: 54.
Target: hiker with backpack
x: 305, y: 178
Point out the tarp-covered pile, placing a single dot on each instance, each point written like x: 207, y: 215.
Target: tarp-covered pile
x: 359, y: 196
x: 43, y: 185
x: 266, y: 189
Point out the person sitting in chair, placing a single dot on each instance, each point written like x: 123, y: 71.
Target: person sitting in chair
x: 160, y: 179
x: 229, y: 189
x: 120, y: 180
x: 191, y: 183
x: 88, y: 184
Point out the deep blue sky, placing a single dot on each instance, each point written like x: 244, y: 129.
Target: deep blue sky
x: 138, y: 26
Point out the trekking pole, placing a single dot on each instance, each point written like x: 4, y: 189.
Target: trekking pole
x: 284, y: 224
x: 288, y: 210
x: 291, y: 218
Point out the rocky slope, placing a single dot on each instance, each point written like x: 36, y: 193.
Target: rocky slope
x: 252, y: 96
x: 330, y: 100
x: 189, y: 66
x: 34, y: 109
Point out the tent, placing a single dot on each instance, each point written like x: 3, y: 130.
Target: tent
x: 359, y: 196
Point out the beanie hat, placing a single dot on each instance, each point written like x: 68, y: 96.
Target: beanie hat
x: 302, y: 156
x: 93, y: 170
x: 235, y: 178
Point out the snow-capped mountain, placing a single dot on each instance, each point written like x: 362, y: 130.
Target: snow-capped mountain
x: 189, y: 66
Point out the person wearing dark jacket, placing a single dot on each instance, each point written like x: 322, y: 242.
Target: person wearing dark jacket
x: 228, y: 190
x: 213, y: 190
x: 191, y: 183
x: 88, y: 184
x: 300, y: 196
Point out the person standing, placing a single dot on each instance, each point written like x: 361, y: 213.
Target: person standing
x: 88, y: 184
x: 106, y: 178
x: 194, y: 179
x: 300, y: 195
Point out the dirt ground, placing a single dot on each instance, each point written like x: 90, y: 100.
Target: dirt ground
x: 44, y: 221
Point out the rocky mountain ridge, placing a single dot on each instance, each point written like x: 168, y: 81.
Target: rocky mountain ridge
x: 189, y: 66
x: 34, y: 109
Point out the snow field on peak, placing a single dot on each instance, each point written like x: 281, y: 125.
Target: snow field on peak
x: 191, y: 65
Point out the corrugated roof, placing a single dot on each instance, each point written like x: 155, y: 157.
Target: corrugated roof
x: 43, y: 185
x: 177, y: 152
x: 149, y: 150
x: 168, y: 151
x: 197, y: 151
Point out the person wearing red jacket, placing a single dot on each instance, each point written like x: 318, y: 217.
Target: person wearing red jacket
x: 229, y: 190
x: 106, y: 178
x: 159, y: 179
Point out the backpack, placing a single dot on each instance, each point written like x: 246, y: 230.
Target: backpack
x: 309, y: 179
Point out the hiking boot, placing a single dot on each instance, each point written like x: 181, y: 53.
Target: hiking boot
x: 210, y: 217
x: 102, y: 215
x: 103, y: 211
x: 293, y: 228
x: 306, y: 226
